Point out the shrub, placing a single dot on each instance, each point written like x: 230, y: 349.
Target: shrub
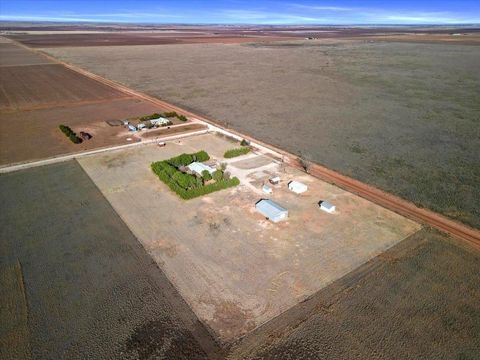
x: 70, y: 134
x: 182, y: 118
x: 244, y: 142
x: 236, y: 152
x: 206, y: 175
x: 183, y: 159
x: 201, y: 156
x: 150, y: 117
x: 217, y: 175
x: 170, y: 114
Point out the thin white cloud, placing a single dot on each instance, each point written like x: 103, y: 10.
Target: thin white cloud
x: 263, y: 17
x: 320, y: 7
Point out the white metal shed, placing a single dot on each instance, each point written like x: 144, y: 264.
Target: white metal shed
x: 271, y: 210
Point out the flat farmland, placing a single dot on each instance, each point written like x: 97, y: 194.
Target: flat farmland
x: 400, y: 116
x: 13, y: 55
x: 420, y: 299
x: 79, y: 284
x: 38, y: 95
x: 235, y: 269
x: 138, y: 38
x: 33, y: 86
x: 34, y: 134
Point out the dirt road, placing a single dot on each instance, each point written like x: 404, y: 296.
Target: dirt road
x: 394, y: 203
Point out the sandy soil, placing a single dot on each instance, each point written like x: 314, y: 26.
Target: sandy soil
x: 235, y: 269
x: 399, y: 116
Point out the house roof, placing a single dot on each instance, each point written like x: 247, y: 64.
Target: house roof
x: 160, y: 120
x: 269, y: 208
x: 198, y: 167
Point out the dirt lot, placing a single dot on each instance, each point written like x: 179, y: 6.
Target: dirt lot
x: 91, y: 289
x: 418, y: 300
x: 400, y: 116
x: 234, y: 268
x: 34, y: 134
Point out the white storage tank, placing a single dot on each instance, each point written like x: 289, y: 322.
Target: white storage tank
x: 297, y: 187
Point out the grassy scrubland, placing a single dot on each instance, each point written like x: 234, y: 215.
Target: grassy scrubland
x: 401, y: 116
x: 92, y: 291
x: 420, y: 299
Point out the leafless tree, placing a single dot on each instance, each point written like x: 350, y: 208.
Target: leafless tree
x: 304, y: 162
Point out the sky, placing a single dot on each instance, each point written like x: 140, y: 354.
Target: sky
x: 334, y: 12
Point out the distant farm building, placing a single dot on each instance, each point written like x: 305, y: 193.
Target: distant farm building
x: 297, y: 187
x: 160, y: 121
x: 274, y: 180
x: 198, y: 167
x: 271, y: 210
x: 132, y: 128
x: 141, y: 126
x: 326, y: 206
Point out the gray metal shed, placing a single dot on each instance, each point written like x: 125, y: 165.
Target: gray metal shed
x: 271, y: 210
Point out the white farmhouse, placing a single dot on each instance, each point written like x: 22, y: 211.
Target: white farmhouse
x: 198, y: 168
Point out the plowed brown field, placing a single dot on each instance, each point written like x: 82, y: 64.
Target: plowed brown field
x: 31, y: 86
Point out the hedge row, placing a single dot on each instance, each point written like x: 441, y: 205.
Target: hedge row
x: 186, y: 159
x: 236, y: 152
x: 150, y: 117
x: 167, y: 114
x: 189, y: 186
x: 174, y: 114
x: 70, y: 134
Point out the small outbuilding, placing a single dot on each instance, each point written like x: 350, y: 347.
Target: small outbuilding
x: 326, y: 206
x: 297, y: 187
x: 271, y: 210
x: 132, y: 128
x: 274, y: 180
x: 267, y: 189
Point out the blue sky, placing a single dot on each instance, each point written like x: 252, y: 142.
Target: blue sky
x: 245, y: 12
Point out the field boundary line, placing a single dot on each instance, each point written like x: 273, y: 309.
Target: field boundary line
x: 389, y: 201
x: 63, y: 158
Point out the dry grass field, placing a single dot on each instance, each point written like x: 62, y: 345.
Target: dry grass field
x: 90, y: 289
x: 234, y: 268
x: 400, y: 116
x: 419, y: 299
x: 14, y: 333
